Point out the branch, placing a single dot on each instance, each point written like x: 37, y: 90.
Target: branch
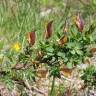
x: 27, y: 86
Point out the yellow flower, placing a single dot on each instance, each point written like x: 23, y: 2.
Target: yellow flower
x: 16, y: 46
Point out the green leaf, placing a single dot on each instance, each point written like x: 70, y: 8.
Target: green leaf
x: 69, y: 65
x: 79, y: 52
x: 61, y: 54
x: 65, y: 59
x: 45, y: 57
x: 91, y: 38
x: 50, y: 49
x: 50, y: 54
x: 1, y: 44
x: 58, y: 35
x: 72, y: 52
x: 94, y: 2
x: 70, y: 45
x: 54, y: 71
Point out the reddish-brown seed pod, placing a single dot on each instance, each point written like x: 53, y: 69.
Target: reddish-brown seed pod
x: 48, y: 32
x: 93, y: 50
x: 63, y: 40
x: 31, y: 38
x: 66, y: 72
x: 79, y: 23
